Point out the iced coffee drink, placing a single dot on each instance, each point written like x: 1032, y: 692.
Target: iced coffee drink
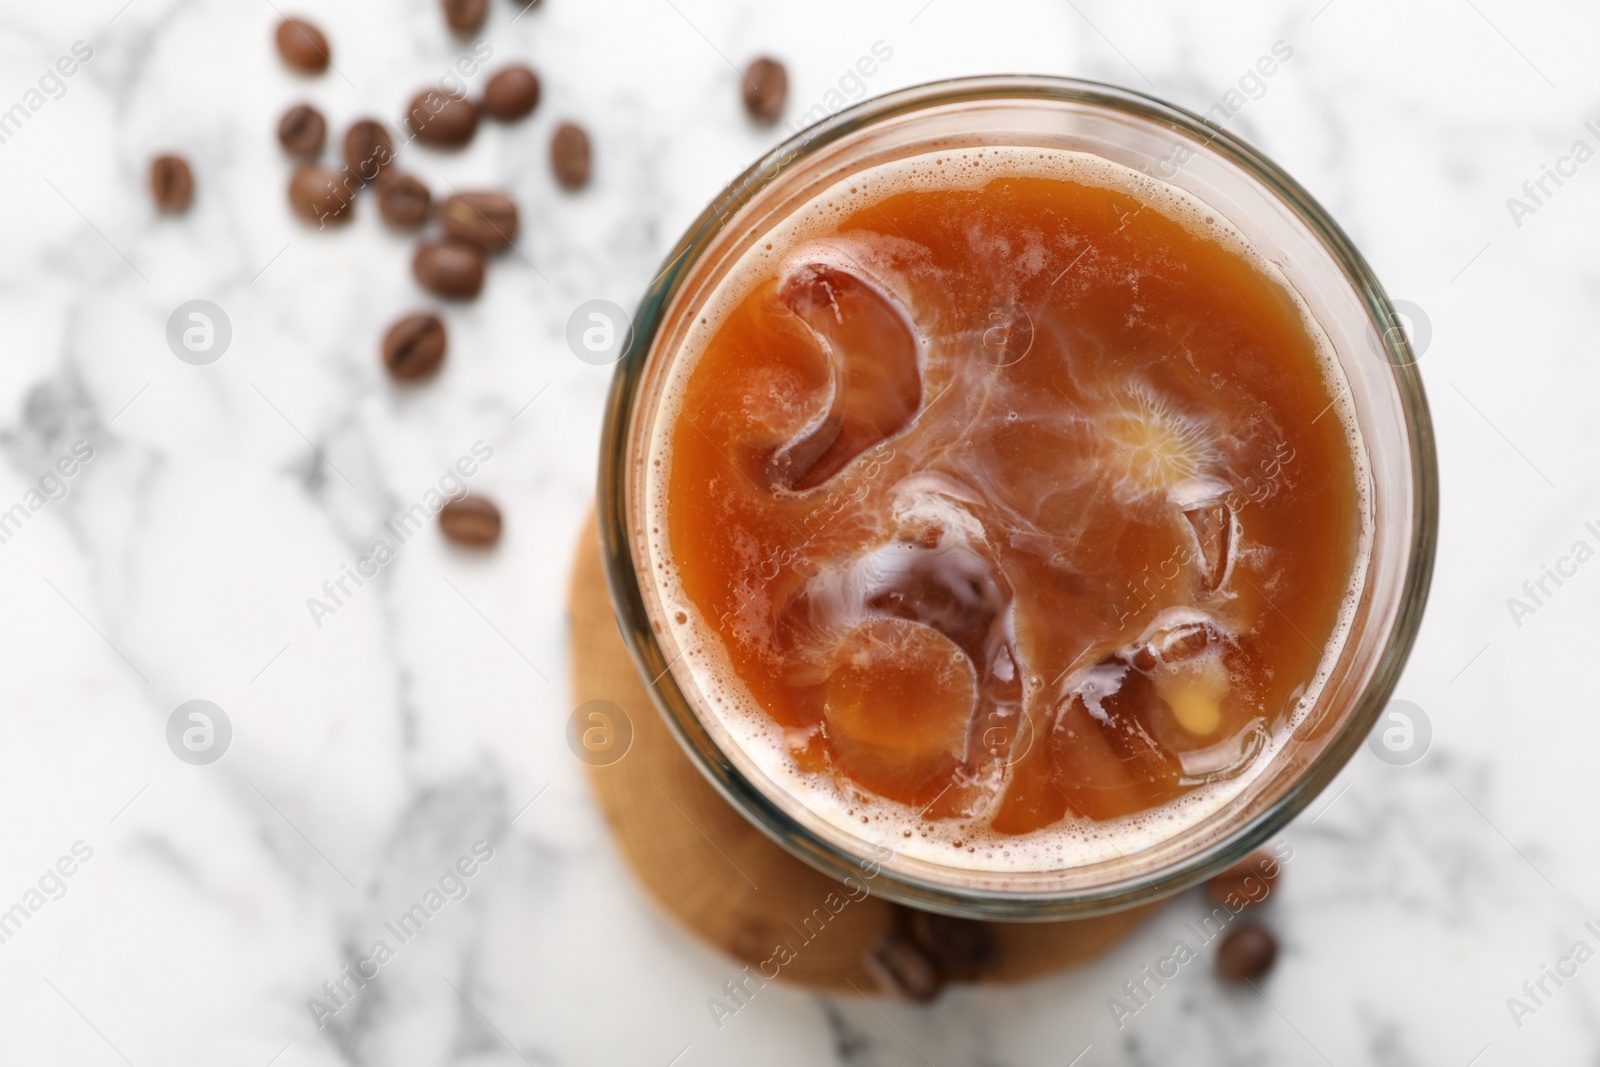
x: 1004, y: 504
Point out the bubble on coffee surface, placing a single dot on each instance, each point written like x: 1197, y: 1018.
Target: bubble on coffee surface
x: 1166, y: 456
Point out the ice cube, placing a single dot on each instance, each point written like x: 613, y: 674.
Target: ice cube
x: 1155, y: 717
x: 1182, y: 654
x: 873, y: 354
x: 1120, y: 701
x: 901, y: 606
x: 898, y: 699
x: 1227, y: 757
x: 935, y: 572
x: 1175, y: 637
x: 1211, y: 519
x: 947, y: 587
x: 1103, y: 761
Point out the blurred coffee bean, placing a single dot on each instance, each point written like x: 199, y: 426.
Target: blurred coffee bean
x: 414, y: 347
x: 766, y: 89
x: 902, y: 969
x: 303, y: 46
x: 465, y: 16
x: 449, y: 268
x: 403, y: 201
x: 1248, y: 881
x: 320, y: 195
x: 1246, y: 953
x: 442, y: 120
x: 961, y: 947
x: 303, y: 131
x: 569, y: 155
x: 472, y: 520
x: 171, y: 182
x: 368, y: 148
x: 511, y: 93
x: 486, y: 219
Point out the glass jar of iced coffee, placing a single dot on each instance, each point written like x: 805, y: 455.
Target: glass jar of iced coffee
x: 1021, y: 487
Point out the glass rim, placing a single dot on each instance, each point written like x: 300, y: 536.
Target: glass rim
x: 669, y: 699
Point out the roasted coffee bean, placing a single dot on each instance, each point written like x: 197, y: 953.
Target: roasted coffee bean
x: 440, y: 119
x: 465, y: 16
x: 303, y: 131
x: 303, y: 46
x: 171, y: 182
x: 368, y: 149
x: 902, y: 969
x: 1246, y: 953
x: 472, y: 520
x: 766, y: 89
x: 320, y: 195
x: 1246, y: 882
x: 486, y: 219
x: 569, y: 155
x: 449, y: 268
x: 403, y: 201
x: 414, y: 347
x: 511, y: 93
x: 961, y: 947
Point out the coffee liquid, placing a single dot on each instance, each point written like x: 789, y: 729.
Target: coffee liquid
x: 1005, y: 502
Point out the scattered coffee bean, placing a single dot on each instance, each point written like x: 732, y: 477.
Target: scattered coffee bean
x: 320, y: 195
x: 1246, y: 882
x: 403, y: 201
x: 414, y: 347
x: 449, y: 268
x: 569, y: 155
x: 472, y: 520
x: 961, y: 947
x: 766, y: 89
x: 511, y: 93
x: 303, y: 131
x: 171, y: 183
x: 465, y: 16
x: 1246, y: 953
x: 902, y: 969
x: 303, y: 46
x: 442, y: 120
x: 368, y: 149
x: 486, y: 219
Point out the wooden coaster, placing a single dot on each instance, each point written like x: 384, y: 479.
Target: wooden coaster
x: 721, y: 877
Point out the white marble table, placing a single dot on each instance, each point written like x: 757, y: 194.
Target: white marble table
x: 206, y: 904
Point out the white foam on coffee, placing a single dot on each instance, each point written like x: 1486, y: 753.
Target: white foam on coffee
x: 732, y: 715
